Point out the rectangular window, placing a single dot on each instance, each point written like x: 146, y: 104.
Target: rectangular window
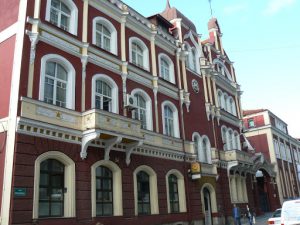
x: 276, y: 147
x: 251, y: 123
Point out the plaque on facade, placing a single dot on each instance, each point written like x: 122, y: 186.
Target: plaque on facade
x: 195, y: 86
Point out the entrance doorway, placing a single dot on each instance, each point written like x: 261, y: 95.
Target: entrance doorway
x: 207, y: 206
x: 262, y: 182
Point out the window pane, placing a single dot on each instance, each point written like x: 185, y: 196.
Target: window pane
x: 61, y: 73
x: 65, y: 9
x: 43, y: 194
x: 50, y: 68
x: 107, y: 209
x: 64, y: 23
x: 43, y: 209
x: 56, y: 209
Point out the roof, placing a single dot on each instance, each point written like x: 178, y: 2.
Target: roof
x: 171, y: 13
x: 253, y: 111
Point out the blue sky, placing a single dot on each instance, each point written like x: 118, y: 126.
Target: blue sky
x: 262, y: 38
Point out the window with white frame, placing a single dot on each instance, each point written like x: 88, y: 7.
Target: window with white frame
x: 193, y: 59
x: 205, y: 154
x: 232, y: 108
x: 220, y: 101
x: 288, y: 153
x: 282, y: 151
x: 63, y: 14
x: 105, y: 35
x: 230, y: 139
x: 170, y: 119
x: 143, y: 112
x: 295, y: 153
x: 145, y: 191
x: 166, y: 68
x: 221, y: 68
x: 175, y: 192
x: 237, y: 142
x: 225, y: 96
x: 54, y: 186
x: 196, y: 139
x: 103, y: 98
x: 104, y: 93
x: 138, y: 53
x: 238, y: 188
x: 57, y: 83
x: 276, y: 147
x: 106, y: 189
x: 224, y: 137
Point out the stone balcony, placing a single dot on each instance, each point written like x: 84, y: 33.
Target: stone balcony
x: 94, y: 125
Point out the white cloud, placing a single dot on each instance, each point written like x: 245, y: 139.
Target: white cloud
x: 275, y: 6
x: 235, y: 8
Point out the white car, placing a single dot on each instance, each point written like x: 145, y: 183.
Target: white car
x: 276, y: 217
x: 290, y: 213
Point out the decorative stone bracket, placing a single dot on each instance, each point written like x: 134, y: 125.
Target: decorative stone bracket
x: 208, y: 110
x: 109, y: 144
x: 34, y: 39
x: 87, y: 138
x: 129, y: 150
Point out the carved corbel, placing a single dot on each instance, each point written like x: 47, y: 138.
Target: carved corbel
x: 87, y: 138
x: 208, y: 110
x: 109, y: 144
x: 129, y: 150
x: 34, y: 39
x: 218, y: 115
x: 187, y: 101
x: 84, y: 61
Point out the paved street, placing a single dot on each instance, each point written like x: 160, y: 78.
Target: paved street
x: 260, y: 220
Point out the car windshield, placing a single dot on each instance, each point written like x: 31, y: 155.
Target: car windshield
x: 277, y: 213
x: 291, y: 212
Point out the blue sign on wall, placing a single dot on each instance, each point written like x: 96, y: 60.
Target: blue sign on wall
x: 20, y: 192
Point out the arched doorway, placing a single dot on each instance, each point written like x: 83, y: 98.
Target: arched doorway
x: 207, y: 207
x: 209, y: 204
x: 263, y: 190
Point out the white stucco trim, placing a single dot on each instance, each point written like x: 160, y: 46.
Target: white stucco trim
x: 117, y: 186
x: 144, y: 48
x: 69, y: 196
x: 8, y: 32
x: 114, y: 91
x: 153, y: 189
x: 70, y: 98
x: 74, y: 14
x: 175, y: 118
x: 149, y: 119
x: 112, y: 30
x: 171, y: 66
x: 181, y: 190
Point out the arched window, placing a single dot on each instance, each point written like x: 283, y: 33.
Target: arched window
x: 57, y: 83
x: 138, y: 53
x: 166, y: 68
x: 193, y: 59
x: 232, y: 106
x: 104, y: 93
x: 145, y: 191
x: 54, y: 173
x: 144, y: 109
x: 103, y: 96
x: 221, y: 68
x: 205, y: 155
x: 175, y: 192
x: 224, y: 137
x: 140, y: 111
x: 143, y: 188
x: 220, y: 99
x: 51, y: 189
x: 230, y: 138
x: 105, y: 35
x: 196, y: 139
x: 237, y: 140
x: 226, y: 105
x: 63, y: 14
x: 106, y: 189
x: 170, y: 119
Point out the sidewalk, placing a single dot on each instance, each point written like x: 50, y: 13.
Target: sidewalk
x: 259, y: 220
